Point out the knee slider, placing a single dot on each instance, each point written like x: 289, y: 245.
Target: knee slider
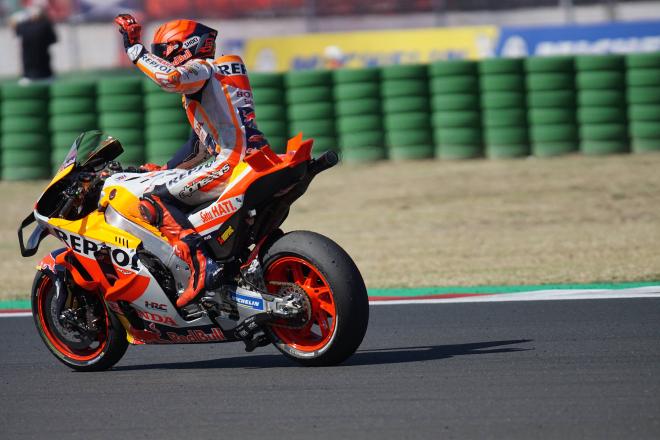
x: 151, y: 211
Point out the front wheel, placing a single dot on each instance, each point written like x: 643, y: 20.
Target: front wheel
x: 87, y: 337
x: 337, y: 297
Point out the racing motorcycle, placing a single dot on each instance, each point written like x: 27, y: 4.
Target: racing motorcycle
x: 116, y: 280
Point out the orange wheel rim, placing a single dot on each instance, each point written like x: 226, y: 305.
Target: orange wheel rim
x: 320, y: 329
x: 78, y: 355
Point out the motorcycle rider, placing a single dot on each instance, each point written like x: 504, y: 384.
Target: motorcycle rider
x: 217, y: 98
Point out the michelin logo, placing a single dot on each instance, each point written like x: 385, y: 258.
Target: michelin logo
x: 247, y: 301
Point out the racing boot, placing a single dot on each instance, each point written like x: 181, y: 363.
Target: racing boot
x: 205, y: 273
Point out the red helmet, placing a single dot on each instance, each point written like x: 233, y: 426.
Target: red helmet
x: 178, y: 41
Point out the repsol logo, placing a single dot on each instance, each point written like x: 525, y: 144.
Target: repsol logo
x: 232, y: 69
x: 88, y: 248
x: 156, y: 64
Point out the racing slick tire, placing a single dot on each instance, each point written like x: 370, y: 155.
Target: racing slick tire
x: 337, y: 297
x: 97, y: 351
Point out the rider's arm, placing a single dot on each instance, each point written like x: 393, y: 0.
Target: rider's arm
x: 186, y: 79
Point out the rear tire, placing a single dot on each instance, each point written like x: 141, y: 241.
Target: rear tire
x: 100, y: 352
x: 338, y: 298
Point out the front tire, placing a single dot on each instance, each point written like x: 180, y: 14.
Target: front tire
x: 337, y: 294
x: 97, y: 350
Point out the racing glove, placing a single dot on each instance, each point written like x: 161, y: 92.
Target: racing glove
x: 131, y: 30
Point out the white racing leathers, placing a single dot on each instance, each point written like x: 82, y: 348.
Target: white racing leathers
x: 218, y: 101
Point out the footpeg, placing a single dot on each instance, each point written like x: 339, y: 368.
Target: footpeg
x: 258, y: 340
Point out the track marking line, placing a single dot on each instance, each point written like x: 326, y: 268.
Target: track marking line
x: 538, y: 295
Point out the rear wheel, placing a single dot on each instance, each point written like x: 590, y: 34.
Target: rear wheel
x: 88, y: 338
x: 337, y: 297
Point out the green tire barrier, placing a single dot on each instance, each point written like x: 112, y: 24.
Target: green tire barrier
x: 165, y: 132
x: 12, y: 91
x: 549, y: 64
x: 72, y: 106
x: 546, y: 116
x: 271, y: 111
x: 358, y: 154
x: 265, y: 80
x: 74, y: 122
x: 120, y: 103
x: 313, y: 128
x: 503, y: 100
x: 457, y: 117
x: 551, y: 99
x: 465, y: 118
x: 406, y: 104
x: 22, y: 157
x: 502, y: 83
x: 308, y: 95
x: 268, y: 96
x: 453, y: 68
x: 599, y: 115
x: 308, y: 78
x: 600, y: 80
x: 166, y: 116
x: 496, y: 66
x: 313, y: 110
x: 458, y: 152
x: 601, y: 98
x: 504, y: 117
x: 603, y: 147
x: 599, y: 62
x: 412, y: 152
x: 25, y: 107
x: 407, y: 138
x: 643, y: 60
x: 507, y: 151
x: 558, y: 148
x: 70, y: 89
x: 25, y: 173
x: 132, y: 85
x: 63, y: 140
x: 462, y: 101
x: 363, y: 139
x: 553, y: 133
x: 644, y: 145
x: 159, y: 100
x: 121, y: 120
x: 407, y: 121
x: 359, y: 124
x: 352, y: 91
x: 24, y: 141
x: 370, y: 75
x: 24, y: 124
x: 454, y: 84
x: 604, y: 132
x: 404, y: 71
x: 644, y: 112
x: 394, y: 88
x: 358, y: 107
x: 550, y: 81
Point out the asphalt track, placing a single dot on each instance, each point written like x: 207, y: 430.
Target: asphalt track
x: 546, y: 369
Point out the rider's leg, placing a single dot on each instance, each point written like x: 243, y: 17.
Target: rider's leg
x: 188, y: 244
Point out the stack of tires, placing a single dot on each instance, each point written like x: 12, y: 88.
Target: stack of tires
x: 309, y: 96
x: 25, y: 142
x: 504, y: 107
x: 643, y: 80
x: 121, y: 115
x: 270, y: 108
x: 359, y: 116
x: 602, y: 104
x: 72, y: 110
x: 456, y: 115
x: 551, y: 105
x: 167, y: 127
x: 405, y: 92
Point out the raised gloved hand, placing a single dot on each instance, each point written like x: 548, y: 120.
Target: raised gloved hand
x: 131, y: 30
